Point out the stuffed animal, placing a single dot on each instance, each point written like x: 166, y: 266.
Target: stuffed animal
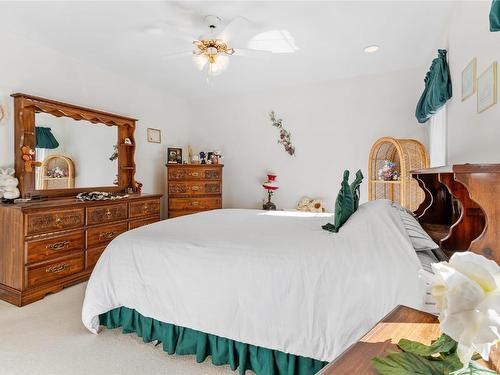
x: 8, y: 184
x: 311, y: 205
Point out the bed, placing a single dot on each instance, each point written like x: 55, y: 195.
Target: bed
x: 268, y: 291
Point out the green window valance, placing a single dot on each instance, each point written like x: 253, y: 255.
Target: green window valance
x: 495, y: 16
x: 45, y: 138
x: 437, y: 89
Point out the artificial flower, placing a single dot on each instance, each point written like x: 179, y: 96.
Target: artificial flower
x: 467, y: 292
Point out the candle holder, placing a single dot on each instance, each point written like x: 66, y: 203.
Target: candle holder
x: 270, y: 185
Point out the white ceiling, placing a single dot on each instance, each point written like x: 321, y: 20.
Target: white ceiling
x: 330, y: 36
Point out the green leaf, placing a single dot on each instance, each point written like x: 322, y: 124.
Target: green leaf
x: 444, y: 344
x: 406, y: 364
x: 475, y: 369
x: 450, y: 363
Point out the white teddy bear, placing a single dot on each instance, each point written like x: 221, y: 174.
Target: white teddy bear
x: 8, y: 184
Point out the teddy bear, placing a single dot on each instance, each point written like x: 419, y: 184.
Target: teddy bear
x: 307, y: 204
x: 8, y: 184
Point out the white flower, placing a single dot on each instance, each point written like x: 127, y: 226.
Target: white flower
x: 467, y: 292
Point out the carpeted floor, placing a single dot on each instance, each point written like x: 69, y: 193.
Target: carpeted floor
x: 48, y: 338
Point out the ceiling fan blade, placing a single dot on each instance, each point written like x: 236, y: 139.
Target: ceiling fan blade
x: 235, y: 26
x: 178, y: 55
x: 245, y: 52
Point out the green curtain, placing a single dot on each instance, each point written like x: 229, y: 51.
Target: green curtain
x: 437, y: 89
x: 182, y: 341
x: 45, y: 138
x: 495, y: 16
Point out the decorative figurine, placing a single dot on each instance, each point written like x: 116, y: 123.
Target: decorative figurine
x: 270, y: 185
x: 203, y: 155
x: 8, y: 184
x: 28, y: 157
x: 190, y: 155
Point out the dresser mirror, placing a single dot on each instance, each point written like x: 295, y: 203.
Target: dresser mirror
x: 74, y: 154
x: 72, y: 148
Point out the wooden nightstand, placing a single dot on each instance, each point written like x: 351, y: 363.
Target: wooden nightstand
x: 402, y: 322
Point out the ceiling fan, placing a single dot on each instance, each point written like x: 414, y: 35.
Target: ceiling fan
x: 213, y: 49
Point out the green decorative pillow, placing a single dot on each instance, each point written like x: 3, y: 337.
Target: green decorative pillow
x: 347, y: 201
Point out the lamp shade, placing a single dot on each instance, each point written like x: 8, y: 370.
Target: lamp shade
x: 271, y: 183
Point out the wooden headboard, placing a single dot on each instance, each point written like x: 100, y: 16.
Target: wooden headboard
x: 461, y: 210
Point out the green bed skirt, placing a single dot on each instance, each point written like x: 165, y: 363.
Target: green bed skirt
x: 180, y: 340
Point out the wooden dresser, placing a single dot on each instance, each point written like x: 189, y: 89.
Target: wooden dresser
x: 193, y: 188
x: 48, y: 245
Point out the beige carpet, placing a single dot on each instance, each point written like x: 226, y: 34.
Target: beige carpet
x: 48, y: 338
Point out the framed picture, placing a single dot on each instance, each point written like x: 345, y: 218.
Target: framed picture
x: 469, y: 79
x: 174, y: 155
x: 154, y: 135
x: 487, y: 88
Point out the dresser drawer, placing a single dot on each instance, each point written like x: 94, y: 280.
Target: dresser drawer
x: 194, y: 204
x: 106, y: 214
x: 100, y: 236
x: 195, y: 187
x: 194, y: 173
x: 93, y: 256
x: 54, y: 247
x: 145, y: 208
x: 55, y: 270
x: 54, y: 220
x: 139, y: 223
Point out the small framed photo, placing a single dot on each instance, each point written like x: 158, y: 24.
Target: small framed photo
x: 154, y: 135
x: 487, y: 88
x: 174, y: 155
x: 469, y: 79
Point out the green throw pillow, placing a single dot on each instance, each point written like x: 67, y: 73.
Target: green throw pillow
x: 347, y: 201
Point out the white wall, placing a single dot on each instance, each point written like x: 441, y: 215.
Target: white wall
x: 472, y: 137
x: 333, y: 126
x: 39, y: 70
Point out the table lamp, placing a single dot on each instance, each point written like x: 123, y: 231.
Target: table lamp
x: 270, y: 185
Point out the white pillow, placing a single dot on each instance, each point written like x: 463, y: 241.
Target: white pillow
x: 419, y: 238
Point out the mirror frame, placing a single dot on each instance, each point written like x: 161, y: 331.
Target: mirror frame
x: 25, y: 108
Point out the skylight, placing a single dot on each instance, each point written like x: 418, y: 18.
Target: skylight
x: 277, y: 41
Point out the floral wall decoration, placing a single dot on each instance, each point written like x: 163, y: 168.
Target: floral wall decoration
x: 285, y: 135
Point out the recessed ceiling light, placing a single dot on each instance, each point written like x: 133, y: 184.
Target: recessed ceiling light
x: 372, y: 49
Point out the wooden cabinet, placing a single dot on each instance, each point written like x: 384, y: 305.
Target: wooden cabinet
x: 45, y: 246
x: 193, y: 188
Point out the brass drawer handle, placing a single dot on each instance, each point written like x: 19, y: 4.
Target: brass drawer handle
x: 195, y: 188
x: 58, y: 221
x: 58, y: 245
x: 195, y: 174
x: 195, y: 203
x: 145, y: 207
x: 58, y: 268
x: 107, y: 235
x: 108, y: 213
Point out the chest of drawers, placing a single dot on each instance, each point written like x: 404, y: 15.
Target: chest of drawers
x: 48, y: 245
x: 193, y: 188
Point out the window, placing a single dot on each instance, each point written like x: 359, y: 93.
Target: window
x: 437, y: 138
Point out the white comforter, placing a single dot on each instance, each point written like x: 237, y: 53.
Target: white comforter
x: 271, y: 279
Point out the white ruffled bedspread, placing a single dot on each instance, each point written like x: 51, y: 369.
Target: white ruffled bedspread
x: 271, y: 279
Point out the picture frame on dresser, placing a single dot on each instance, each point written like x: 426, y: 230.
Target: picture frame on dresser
x: 174, y: 155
